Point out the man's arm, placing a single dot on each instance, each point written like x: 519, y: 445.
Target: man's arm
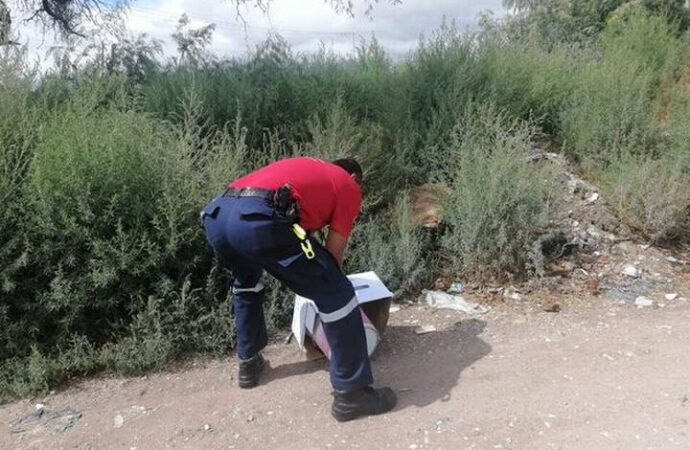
x: 335, y: 244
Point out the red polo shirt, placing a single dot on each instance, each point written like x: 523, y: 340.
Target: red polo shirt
x: 326, y: 193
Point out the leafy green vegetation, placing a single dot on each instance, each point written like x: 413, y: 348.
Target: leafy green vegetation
x: 103, y: 265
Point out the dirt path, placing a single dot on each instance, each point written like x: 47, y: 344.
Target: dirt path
x: 598, y: 375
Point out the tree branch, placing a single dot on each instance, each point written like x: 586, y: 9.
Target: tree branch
x: 63, y: 22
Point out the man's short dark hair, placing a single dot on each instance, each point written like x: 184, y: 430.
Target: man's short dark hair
x: 352, y: 167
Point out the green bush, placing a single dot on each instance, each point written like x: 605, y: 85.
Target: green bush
x: 528, y: 80
x: 500, y: 200
x: 103, y: 265
x: 651, y: 195
x: 610, y: 112
x: 392, y: 246
x: 113, y: 251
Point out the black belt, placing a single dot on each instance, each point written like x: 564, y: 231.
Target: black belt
x: 280, y: 199
x: 249, y: 192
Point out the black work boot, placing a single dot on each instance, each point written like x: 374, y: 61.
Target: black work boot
x: 250, y: 369
x: 362, y: 402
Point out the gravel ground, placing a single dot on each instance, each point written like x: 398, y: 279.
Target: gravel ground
x: 598, y: 374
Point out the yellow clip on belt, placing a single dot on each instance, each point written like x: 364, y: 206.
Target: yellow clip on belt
x: 305, y: 242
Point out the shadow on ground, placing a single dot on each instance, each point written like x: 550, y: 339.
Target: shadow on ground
x: 293, y: 369
x: 423, y: 369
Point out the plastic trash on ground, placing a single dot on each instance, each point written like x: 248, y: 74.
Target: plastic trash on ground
x: 442, y: 300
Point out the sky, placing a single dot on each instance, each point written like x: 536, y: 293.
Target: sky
x: 305, y: 24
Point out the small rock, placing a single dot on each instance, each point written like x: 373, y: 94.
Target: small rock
x: 68, y: 417
x: 40, y: 406
x: 643, y: 302
x: 457, y: 288
x: 207, y: 427
x: 593, y: 198
x: 425, y: 329
x: 671, y: 297
x: 118, y: 421
x: 445, y: 398
x: 250, y: 419
x: 555, y: 308
x: 632, y: 271
x: 512, y: 295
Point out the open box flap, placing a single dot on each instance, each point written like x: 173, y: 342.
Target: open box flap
x: 369, y: 287
x: 303, y: 318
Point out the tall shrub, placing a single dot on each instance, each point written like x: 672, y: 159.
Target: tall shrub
x: 500, y: 200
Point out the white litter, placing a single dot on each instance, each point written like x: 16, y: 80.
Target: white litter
x: 425, y: 329
x: 457, y: 288
x: 643, y: 302
x: 512, y: 295
x: 632, y: 271
x: 593, y: 198
x: 441, y: 300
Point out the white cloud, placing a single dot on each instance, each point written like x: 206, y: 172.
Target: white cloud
x: 303, y: 23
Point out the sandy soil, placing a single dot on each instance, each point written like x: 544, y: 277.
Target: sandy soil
x: 597, y: 375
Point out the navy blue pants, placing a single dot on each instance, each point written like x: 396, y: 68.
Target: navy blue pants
x: 250, y: 237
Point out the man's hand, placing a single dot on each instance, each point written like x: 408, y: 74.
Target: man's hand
x: 335, y: 244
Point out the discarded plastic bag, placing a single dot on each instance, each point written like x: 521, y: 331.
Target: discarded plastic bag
x: 442, y: 300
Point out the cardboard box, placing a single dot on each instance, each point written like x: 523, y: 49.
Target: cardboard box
x: 374, y: 299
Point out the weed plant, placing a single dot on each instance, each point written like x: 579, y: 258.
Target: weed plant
x: 103, y: 264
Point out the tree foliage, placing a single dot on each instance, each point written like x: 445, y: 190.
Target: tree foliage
x: 192, y: 43
x: 578, y: 20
